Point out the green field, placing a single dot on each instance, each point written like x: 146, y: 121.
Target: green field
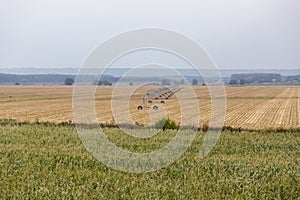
x: 51, y: 162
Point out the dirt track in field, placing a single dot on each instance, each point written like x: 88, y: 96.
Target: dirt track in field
x: 254, y: 107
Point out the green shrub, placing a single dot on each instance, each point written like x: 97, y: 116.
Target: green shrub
x: 6, y: 122
x: 166, y: 124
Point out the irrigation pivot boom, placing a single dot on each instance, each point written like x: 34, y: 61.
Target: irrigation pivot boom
x: 160, y: 94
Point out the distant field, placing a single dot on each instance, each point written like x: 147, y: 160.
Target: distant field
x: 252, y: 107
x: 38, y: 162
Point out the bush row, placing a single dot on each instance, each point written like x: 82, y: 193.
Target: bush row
x: 164, y: 124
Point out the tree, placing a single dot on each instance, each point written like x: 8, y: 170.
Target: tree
x: 165, y: 82
x: 106, y: 82
x: 242, y: 82
x: 195, y: 82
x: 233, y: 82
x: 69, y: 81
x: 100, y: 82
x: 103, y: 82
x: 182, y: 82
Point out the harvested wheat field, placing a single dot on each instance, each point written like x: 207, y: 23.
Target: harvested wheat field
x: 249, y: 107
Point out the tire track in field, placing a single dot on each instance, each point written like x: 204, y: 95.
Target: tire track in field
x: 274, y: 113
x: 281, y: 112
x: 239, y: 111
x: 283, y: 117
x: 244, y: 112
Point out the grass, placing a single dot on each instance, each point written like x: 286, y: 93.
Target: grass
x: 39, y: 162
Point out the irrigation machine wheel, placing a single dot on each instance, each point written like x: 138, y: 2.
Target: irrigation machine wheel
x: 155, y: 107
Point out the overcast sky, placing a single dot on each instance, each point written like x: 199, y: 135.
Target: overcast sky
x: 236, y: 33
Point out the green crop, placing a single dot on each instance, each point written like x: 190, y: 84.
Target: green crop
x: 39, y: 162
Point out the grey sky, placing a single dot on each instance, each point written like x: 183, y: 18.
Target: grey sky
x: 236, y: 33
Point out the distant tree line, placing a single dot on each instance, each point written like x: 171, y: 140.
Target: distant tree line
x: 180, y: 82
x: 51, y: 79
x: 33, y: 79
x: 104, y: 82
x: 58, y: 79
x: 293, y: 79
x: 242, y: 79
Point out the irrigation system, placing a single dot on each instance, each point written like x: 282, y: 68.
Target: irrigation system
x: 160, y: 95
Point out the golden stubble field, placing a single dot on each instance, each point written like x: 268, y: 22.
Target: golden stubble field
x: 253, y: 107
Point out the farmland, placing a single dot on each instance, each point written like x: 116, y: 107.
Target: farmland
x: 48, y: 161
x: 38, y: 162
x: 250, y: 107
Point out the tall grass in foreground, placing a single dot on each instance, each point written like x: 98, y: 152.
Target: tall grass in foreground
x: 51, y: 162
